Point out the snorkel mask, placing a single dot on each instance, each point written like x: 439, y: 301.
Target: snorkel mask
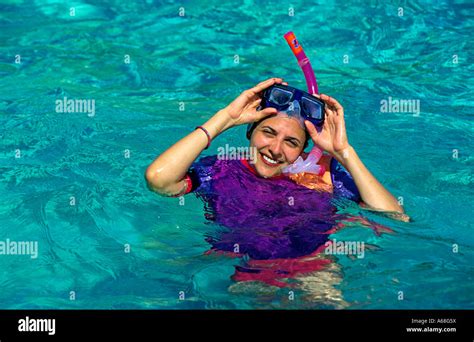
x: 294, y: 103
x: 283, y: 97
x: 298, y: 104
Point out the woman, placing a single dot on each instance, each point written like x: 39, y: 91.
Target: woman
x: 282, y: 223
x: 279, y: 142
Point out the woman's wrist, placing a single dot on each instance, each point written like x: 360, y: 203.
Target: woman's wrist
x: 345, y: 155
x: 229, y: 122
x: 220, y: 122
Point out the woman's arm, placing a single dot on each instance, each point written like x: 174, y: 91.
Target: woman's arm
x: 166, y: 175
x: 371, y: 191
x: 333, y: 139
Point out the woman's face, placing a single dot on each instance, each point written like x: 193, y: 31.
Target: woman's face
x: 279, y: 140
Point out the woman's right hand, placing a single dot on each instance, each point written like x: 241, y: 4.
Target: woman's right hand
x: 243, y: 109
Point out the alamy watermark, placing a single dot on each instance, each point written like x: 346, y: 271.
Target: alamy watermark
x: 9, y: 247
x: 28, y: 324
x: 228, y: 152
x: 66, y: 105
x: 334, y: 247
x: 391, y: 105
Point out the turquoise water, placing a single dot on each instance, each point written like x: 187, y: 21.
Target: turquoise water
x: 51, y: 160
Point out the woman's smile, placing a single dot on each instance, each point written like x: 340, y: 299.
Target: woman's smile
x: 270, y: 161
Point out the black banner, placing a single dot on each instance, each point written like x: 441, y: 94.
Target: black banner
x: 156, y: 324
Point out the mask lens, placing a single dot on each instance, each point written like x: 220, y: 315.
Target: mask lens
x: 280, y: 97
x: 311, y: 108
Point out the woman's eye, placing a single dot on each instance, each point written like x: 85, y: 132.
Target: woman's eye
x: 268, y: 132
x: 292, y: 143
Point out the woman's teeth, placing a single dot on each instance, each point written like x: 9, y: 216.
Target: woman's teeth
x: 269, y: 160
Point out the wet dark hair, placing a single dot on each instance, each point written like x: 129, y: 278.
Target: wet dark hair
x: 251, y: 128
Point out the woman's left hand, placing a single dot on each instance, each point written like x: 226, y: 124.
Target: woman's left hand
x: 333, y: 137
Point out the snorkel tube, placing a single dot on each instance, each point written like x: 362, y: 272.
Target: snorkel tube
x: 310, y: 164
x: 303, y: 62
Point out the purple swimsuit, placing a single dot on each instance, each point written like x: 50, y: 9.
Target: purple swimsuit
x: 270, y: 218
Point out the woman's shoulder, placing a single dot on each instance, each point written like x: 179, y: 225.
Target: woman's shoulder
x: 206, y: 161
x: 342, y: 181
x: 325, y: 162
x: 206, y: 167
x: 339, y: 178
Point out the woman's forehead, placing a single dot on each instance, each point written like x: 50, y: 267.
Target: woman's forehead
x: 285, y: 124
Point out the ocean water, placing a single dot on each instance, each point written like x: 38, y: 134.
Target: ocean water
x: 73, y: 182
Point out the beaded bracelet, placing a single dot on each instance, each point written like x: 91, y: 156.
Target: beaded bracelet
x: 207, y: 134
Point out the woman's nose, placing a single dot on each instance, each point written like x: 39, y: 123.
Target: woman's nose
x: 276, y: 148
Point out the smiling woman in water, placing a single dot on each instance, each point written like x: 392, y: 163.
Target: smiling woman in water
x: 279, y: 137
